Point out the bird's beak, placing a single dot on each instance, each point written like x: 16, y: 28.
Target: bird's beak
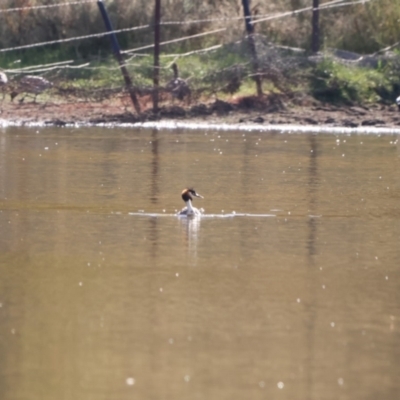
x: 199, y: 195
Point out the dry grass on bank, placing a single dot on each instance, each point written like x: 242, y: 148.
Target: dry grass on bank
x: 362, y: 28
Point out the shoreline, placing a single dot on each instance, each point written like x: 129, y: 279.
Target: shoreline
x: 220, y: 113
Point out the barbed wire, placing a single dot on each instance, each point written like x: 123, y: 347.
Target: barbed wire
x: 49, y: 67
x: 259, y: 19
x: 41, y: 7
x: 386, y: 48
x: 174, y: 40
x: 33, y: 69
x: 189, y: 53
x: 242, y: 18
x: 128, y: 61
x: 325, y: 6
x: 71, y: 80
x: 93, y: 35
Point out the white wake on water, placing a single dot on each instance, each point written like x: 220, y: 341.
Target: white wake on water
x: 225, y: 215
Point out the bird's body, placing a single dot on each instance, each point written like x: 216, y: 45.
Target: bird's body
x: 189, y: 210
x: 3, y: 82
x: 398, y: 102
x: 3, y: 79
x: 178, y: 86
x: 232, y: 86
x: 34, y: 85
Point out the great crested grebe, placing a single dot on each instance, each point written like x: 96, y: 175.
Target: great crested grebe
x: 398, y: 102
x: 189, y: 210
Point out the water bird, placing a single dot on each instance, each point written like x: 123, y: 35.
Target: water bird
x: 189, y: 210
x: 398, y: 102
x: 178, y: 87
x: 3, y: 81
x: 233, y: 85
x: 34, y: 84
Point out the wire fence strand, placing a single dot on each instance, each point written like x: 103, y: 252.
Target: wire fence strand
x: 219, y: 62
x: 262, y: 18
x: 91, y: 36
x: 45, y: 6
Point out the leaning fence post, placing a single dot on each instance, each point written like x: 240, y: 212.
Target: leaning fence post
x: 315, y: 27
x: 156, y: 71
x: 252, y: 45
x: 118, y: 56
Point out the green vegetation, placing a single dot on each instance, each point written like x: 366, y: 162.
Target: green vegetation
x: 338, y: 83
x: 359, y: 28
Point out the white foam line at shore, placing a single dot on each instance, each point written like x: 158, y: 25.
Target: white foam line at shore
x: 266, y: 128
x: 281, y: 128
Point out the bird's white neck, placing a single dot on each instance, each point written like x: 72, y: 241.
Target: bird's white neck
x: 189, y: 207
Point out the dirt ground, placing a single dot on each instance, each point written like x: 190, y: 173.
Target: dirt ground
x: 266, y: 110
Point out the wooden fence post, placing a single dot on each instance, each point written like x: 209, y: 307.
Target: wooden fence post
x: 156, y: 71
x: 252, y: 45
x: 315, y: 27
x: 118, y: 56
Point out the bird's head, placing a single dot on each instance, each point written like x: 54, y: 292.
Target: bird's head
x: 188, y: 193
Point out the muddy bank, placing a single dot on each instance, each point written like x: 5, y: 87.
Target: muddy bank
x: 245, y: 110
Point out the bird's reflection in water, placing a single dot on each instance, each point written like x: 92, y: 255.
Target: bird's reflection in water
x: 191, y: 230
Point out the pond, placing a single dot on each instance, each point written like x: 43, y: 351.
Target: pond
x: 287, y: 288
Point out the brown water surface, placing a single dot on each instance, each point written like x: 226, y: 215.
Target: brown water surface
x: 104, y: 294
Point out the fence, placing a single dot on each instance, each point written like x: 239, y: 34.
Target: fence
x: 213, y: 55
